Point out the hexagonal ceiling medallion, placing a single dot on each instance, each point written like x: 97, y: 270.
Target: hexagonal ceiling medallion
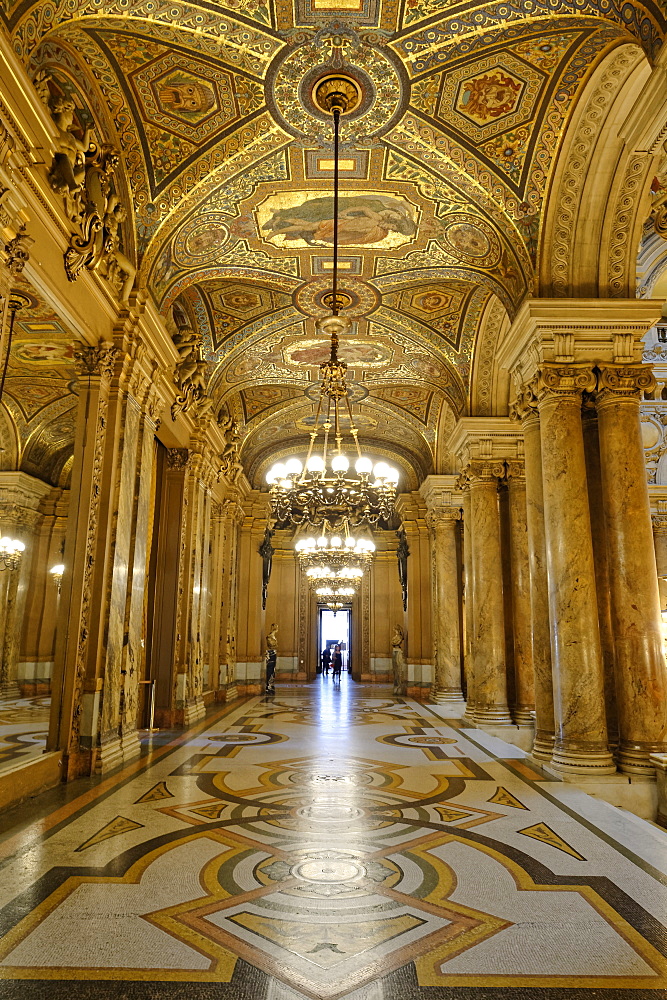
x: 490, y: 96
x: 189, y: 98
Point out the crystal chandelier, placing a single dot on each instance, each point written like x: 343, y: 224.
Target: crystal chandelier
x: 324, y: 490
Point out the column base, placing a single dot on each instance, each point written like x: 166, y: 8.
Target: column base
x: 469, y: 715
x: 492, y: 715
x: 543, y: 745
x: 442, y: 697
x: 231, y: 694
x: 10, y: 690
x: 523, y: 715
x: 518, y: 736
x: 573, y: 760
x: 193, y: 711
x: 634, y: 758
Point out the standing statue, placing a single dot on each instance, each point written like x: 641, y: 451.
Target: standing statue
x: 271, y: 658
x: 398, y: 660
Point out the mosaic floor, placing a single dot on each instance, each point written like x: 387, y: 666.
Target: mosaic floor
x: 24, y: 724
x: 332, y: 842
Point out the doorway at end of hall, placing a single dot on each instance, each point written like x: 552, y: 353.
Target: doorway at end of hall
x: 331, y: 629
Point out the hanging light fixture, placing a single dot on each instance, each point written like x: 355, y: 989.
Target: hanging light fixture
x: 11, y: 551
x: 334, y: 598
x: 324, y: 490
x: 334, y: 561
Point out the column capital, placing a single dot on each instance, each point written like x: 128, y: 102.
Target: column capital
x: 515, y: 470
x: 481, y: 471
x: 437, y: 517
x: 525, y: 405
x: 659, y: 522
x: 619, y: 381
x: 177, y: 458
x: 556, y: 380
x: 96, y: 361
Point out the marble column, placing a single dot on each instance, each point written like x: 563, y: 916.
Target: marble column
x: 488, y: 638
x: 226, y: 518
x: 540, y: 644
x: 524, y: 685
x: 641, y: 671
x: 581, y: 745
x: 659, y: 521
x: 443, y: 525
x: 602, y: 581
x: 468, y: 624
x: 77, y: 684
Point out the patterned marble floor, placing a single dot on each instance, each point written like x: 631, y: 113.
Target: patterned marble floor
x: 24, y: 724
x: 331, y: 842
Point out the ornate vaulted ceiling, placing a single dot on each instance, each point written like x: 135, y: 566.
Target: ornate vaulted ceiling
x: 446, y: 168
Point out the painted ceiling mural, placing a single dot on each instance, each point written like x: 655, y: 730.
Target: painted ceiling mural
x: 446, y: 161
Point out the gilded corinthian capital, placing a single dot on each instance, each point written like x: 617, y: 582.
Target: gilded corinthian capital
x: 618, y: 381
x: 99, y: 360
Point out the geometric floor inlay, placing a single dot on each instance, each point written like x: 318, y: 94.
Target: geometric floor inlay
x: 330, y: 843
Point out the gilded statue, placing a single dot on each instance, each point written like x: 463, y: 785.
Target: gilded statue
x: 272, y: 637
x: 68, y: 169
x: 398, y: 660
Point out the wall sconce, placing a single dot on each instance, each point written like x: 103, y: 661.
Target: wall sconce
x: 11, y: 550
x: 57, y: 575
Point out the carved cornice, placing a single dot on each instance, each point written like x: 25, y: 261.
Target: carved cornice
x: 615, y: 382
x: 564, y: 380
x: 96, y: 361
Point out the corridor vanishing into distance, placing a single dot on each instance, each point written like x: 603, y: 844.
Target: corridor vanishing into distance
x: 330, y: 841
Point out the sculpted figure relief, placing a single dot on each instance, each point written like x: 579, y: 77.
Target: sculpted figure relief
x: 82, y: 172
x: 69, y: 164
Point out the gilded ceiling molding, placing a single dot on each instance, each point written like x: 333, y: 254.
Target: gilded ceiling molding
x: 427, y: 47
x: 560, y: 225
x: 244, y: 47
x: 493, y: 325
x: 233, y: 181
x: 625, y: 229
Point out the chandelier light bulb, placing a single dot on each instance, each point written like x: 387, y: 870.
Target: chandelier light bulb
x: 363, y: 466
x: 315, y: 464
x: 336, y: 542
x: 381, y: 471
x: 339, y: 463
x: 350, y: 542
x: 293, y: 467
x: 322, y: 542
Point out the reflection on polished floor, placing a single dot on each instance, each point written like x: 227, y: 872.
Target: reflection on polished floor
x: 24, y: 724
x: 331, y: 841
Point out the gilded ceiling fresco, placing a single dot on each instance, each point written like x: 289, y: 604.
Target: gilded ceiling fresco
x: 37, y: 432
x: 446, y: 162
